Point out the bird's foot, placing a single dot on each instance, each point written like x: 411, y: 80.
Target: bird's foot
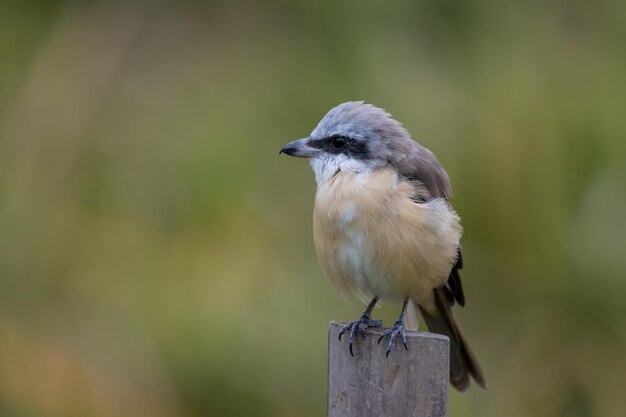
x: 359, y: 326
x: 393, y: 333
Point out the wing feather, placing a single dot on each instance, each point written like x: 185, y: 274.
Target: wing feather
x: 419, y: 164
x: 416, y: 162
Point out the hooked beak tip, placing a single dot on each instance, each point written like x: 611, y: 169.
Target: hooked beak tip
x: 298, y: 148
x: 288, y: 149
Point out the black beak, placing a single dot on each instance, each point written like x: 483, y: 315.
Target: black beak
x: 289, y: 149
x: 300, y: 149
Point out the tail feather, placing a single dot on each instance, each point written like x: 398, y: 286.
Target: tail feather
x: 463, y: 362
x: 412, y: 318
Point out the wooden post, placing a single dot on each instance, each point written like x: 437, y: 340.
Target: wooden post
x: 406, y: 384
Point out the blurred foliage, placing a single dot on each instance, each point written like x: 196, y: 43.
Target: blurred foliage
x: 156, y: 254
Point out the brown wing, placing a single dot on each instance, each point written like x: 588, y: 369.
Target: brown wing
x: 417, y: 163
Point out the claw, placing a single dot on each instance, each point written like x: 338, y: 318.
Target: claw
x: 358, y: 326
x: 393, y: 333
x: 344, y: 328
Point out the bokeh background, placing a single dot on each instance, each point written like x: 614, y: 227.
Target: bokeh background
x: 156, y: 253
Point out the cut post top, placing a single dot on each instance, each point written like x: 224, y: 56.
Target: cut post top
x: 407, y: 383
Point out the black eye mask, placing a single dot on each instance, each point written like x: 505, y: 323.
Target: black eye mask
x: 339, y: 144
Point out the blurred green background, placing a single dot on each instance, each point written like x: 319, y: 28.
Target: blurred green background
x: 156, y: 253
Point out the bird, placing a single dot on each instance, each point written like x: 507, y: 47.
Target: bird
x: 384, y: 228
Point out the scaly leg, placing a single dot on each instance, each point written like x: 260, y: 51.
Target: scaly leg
x: 360, y: 325
x: 396, y: 330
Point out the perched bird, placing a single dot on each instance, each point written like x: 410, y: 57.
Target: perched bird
x: 384, y: 228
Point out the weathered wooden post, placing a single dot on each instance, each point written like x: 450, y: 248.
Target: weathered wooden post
x: 405, y: 384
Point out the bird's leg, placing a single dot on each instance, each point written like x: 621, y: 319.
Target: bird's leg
x: 396, y: 330
x: 359, y: 326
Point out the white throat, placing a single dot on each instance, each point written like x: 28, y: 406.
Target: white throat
x: 326, y: 166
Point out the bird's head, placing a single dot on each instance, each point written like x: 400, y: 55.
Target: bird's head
x: 353, y: 136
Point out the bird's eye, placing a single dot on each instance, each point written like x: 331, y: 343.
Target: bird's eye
x: 339, y: 141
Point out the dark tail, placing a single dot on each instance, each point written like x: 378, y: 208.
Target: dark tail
x: 463, y: 362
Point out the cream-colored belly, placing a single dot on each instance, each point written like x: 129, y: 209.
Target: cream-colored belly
x: 372, y: 239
